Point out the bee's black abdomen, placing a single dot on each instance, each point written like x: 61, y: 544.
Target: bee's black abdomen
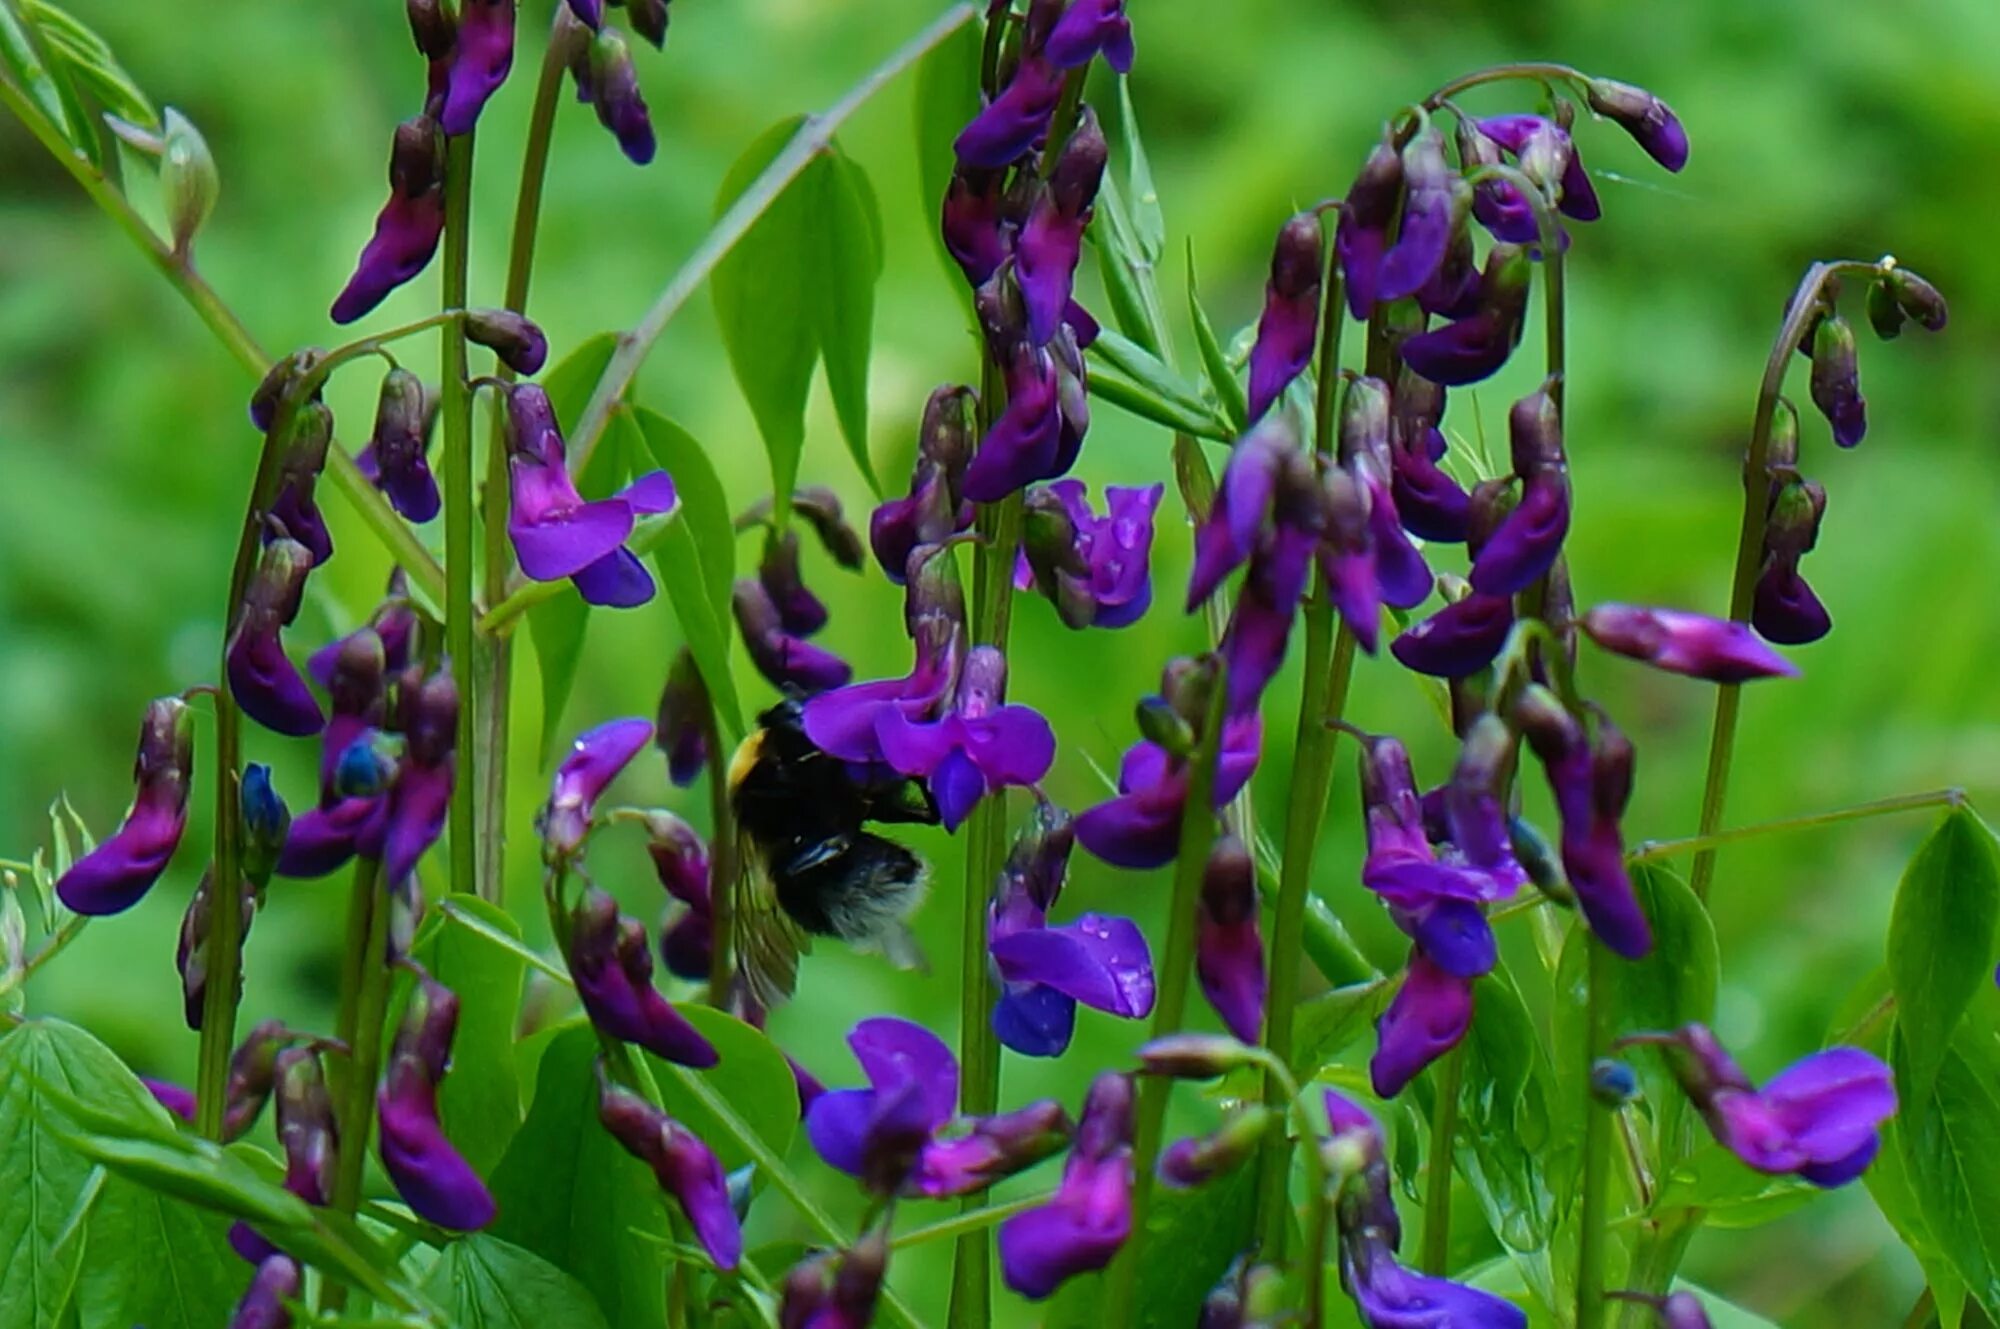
x: 855, y: 892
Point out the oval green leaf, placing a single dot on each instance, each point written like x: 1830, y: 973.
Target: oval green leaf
x: 1941, y: 940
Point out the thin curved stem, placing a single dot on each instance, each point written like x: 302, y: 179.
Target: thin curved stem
x: 1436, y: 1256
x: 1800, y: 316
x: 1592, y: 1220
x: 1654, y: 850
x: 1538, y: 71
x: 364, y: 1004
x: 971, y: 1220
x: 722, y: 867
x: 455, y: 430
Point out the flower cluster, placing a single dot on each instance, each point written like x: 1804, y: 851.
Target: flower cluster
x: 777, y: 612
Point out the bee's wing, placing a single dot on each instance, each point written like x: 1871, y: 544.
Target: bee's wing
x: 768, y: 942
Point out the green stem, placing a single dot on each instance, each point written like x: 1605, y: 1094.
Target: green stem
x: 1170, y: 1007
x: 364, y: 1004
x: 57, y: 941
x: 971, y: 1220
x: 1803, y: 312
x: 1436, y: 1257
x: 1592, y: 1220
x: 721, y: 865
x: 813, y: 137
x: 455, y: 427
x: 1653, y: 850
x: 382, y: 522
x: 1539, y: 71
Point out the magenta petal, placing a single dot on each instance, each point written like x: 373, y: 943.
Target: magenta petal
x: 1013, y: 745
x: 1099, y: 960
x: 1131, y: 831
x: 844, y: 722
x: 431, y: 1176
x: 1832, y: 1101
x: 1079, y: 1230
x: 893, y: 1052
x: 559, y: 544
x: 651, y: 492
x: 911, y: 747
x: 117, y: 874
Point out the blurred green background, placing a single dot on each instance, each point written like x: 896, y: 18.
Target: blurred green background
x: 1818, y: 131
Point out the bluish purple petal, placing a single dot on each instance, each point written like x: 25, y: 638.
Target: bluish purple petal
x: 892, y: 1052
x: 837, y: 1124
x: 1101, y: 961
x: 1034, y: 1020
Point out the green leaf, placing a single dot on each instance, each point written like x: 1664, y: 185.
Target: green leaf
x: 1142, y: 203
x: 800, y: 285
x: 89, y: 59
x: 156, y: 1262
x: 570, y: 1193
x: 1325, y: 1025
x: 1127, y: 374
x: 1214, y: 362
x: 946, y: 98
x: 483, y: 1282
x: 1128, y: 279
x: 24, y: 65
x: 1503, y: 1145
x: 696, y: 557
x: 752, y: 1077
x: 1941, y: 940
x: 1949, y: 1139
x: 480, y: 1101
x: 505, y: 939
x: 1729, y: 1194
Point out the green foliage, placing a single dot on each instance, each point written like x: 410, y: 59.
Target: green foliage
x: 1941, y: 942
x: 485, y: 1283
x: 480, y: 1101
x: 1214, y: 362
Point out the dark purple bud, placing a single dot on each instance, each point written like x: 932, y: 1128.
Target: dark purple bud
x: 1885, y: 315
x: 431, y: 27
x: 788, y: 661
x: 1229, y: 950
x: 687, y: 1169
x: 1474, y: 347
x: 294, y: 512
x: 277, y: 381
x: 977, y: 231
x: 513, y: 337
x: 395, y: 458
x: 821, y: 509
x: 613, y: 968
x: 1529, y: 539
x: 800, y: 612
x: 1917, y: 298
x: 1263, y: 461
x: 480, y: 60
x: 1089, y: 28
x: 680, y: 859
x: 1548, y: 158
x: 1051, y: 240
x: 1650, y: 122
x: 308, y: 1135
x: 432, y: 1177
x: 1684, y: 643
x: 593, y: 762
x: 590, y: 13
x: 681, y: 726
x: 409, y: 226
x: 1461, y: 639
x: 1025, y: 444
x: 264, y: 1306
x: 1433, y: 202
x: 615, y: 95
x: 1189, y: 1056
x: 649, y: 19
x: 1499, y: 205
x: 1836, y: 380
x: 1474, y: 806
x: 1198, y: 1160
x: 1085, y: 1223
x: 1346, y: 555
x: 1365, y: 217
x: 1014, y: 121
x: 933, y: 512
x: 177, y: 1099
x: 1784, y: 608
x: 191, y: 951
x: 253, y: 1071
x: 1289, y: 327
x: 1428, y: 1016
x: 1613, y: 1083
x: 264, y: 681
x: 117, y: 874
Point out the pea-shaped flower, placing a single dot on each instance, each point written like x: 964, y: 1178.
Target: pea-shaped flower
x: 117, y: 874
x: 687, y: 1168
x: 1087, y: 1220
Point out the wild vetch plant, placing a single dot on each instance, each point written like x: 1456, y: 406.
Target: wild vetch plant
x: 1578, y: 1139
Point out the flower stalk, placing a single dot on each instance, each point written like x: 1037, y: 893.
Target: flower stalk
x: 455, y: 428
x: 1593, y: 1220
x: 1435, y: 1257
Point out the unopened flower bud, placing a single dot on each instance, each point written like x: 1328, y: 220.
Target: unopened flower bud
x: 686, y: 1168
x: 1836, y: 380
x: 681, y: 726
x: 1195, y: 1056
x: 800, y: 611
x: 1165, y: 727
x: 431, y: 27
x: 1650, y: 122
x: 430, y: 720
x: 513, y: 337
x: 1917, y: 298
x: 1198, y: 1160
x: 277, y: 380
x: 263, y: 680
x: 1885, y: 316
x: 264, y: 1306
x: 1187, y: 683
x: 649, y: 19
x: 1715, y: 649
x: 1289, y: 327
x: 265, y: 822
x: 613, y: 91
x: 1364, y: 420
x: 821, y: 509
x: 1229, y: 950
x: 188, y: 179
x: 191, y: 951
x: 416, y: 158
x: 1613, y: 1083
x: 253, y: 1072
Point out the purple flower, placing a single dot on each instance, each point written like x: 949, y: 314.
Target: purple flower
x: 1097, y: 573
x: 934, y: 511
x: 789, y: 661
x: 409, y: 226
x: 1528, y: 540
x: 1365, y: 217
x: 309, y: 1137
x: 608, y: 80
x: 1228, y: 950
x: 613, y: 968
x: 1474, y: 347
x: 1548, y: 157
x: 1431, y: 212
x: 809, y: 1303
x: 845, y: 721
x: 1026, y: 443
x: 594, y: 761
x: 686, y: 1168
x: 892, y: 1133
x: 975, y: 223
x: 1045, y: 971
x: 1650, y: 121
x: 395, y: 459
x: 1090, y: 28
x: 555, y: 532
x: 263, y: 680
x: 414, y: 814
x: 976, y: 745
x: 479, y: 62
x: 513, y: 337
x: 1141, y: 827
x: 1458, y: 640
x: 1265, y: 462
x: 431, y: 1176
x: 1592, y: 782
x: 1784, y: 609
x: 294, y: 510
x: 1683, y: 643
x: 191, y: 949
x: 1430, y: 504
x: 1401, y: 867
x: 1260, y: 625
x: 1289, y: 326
x: 1390, y: 1296
x: 800, y: 612
x: 1430, y: 1013
x: 1090, y: 1215
x: 1051, y: 240
x: 1198, y: 1160
x: 263, y: 1306
x: 1016, y: 120
x: 681, y: 726
x: 1836, y: 380
x: 1367, y: 558
x: 177, y: 1099
x: 590, y: 13
x: 117, y: 874
x: 1818, y: 1118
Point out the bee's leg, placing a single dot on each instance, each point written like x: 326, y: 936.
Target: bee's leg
x: 816, y: 854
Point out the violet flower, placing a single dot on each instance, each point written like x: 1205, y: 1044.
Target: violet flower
x: 395, y: 459
x: 608, y: 80
x: 1090, y: 28
x: 687, y: 1169
x: 1228, y: 948
x: 432, y: 1177
x: 1683, y: 643
x: 409, y: 226
x: 1592, y: 782
x: 1365, y: 217
x: 1098, y: 574
x: 1366, y: 557
x: 1526, y: 544
x: 308, y: 1135
x: 1650, y: 121
x: 1401, y: 866
x: 479, y: 62
x: 191, y: 948
x: 557, y: 534
x: 512, y: 336
x: 1051, y: 240
x: 1141, y: 827
x: 1819, y: 1118
x: 1013, y: 122
x: 1260, y: 624
x: 1474, y: 347
x: 975, y: 222
x: 845, y: 722
x: 935, y: 510
x: 1289, y: 326
x: 294, y: 509
x: 1390, y: 1296
x: 1431, y: 504
x: 1197, y: 1160
x: 613, y: 968
x: 680, y: 859
x: 789, y: 661
x: 1088, y: 1218
x: 1025, y: 443
x: 1432, y: 206
x: 808, y: 1302
x: 1548, y: 157
x: 1044, y: 971
x: 1263, y: 463
x: 1836, y: 380
x: 414, y: 816
x: 1784, y: 608
x: 681, y: 726
x: 1458, y: 640
x: 977, y: 745
x: 593, y: 762
x: 263, y: 680
x: 276, y: 1282
x: 893, y: 1134
x: 117, y: 874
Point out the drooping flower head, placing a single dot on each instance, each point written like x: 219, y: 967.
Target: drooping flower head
x: 1038, y: 433
x: 1289, y: 327
x: 262, y: 678
x: 1365, y: 555
x: 1086, y: 1221
x: 1836, y: 380
x: 309, y: 1137
x: 117, y: 874
x: 1685, y: 643
x: 1091, y: 28
x: 1460, y: 639
x: 1366, y: 215
x: 479, y: 62
x: 607, y: 78
x: 428, y: 1172
x: 409, y: 226
x: 1429, y: 1014
x: 1435, y: 201
x: 414, y: 815
x: 593, y: 762
x: 1549, y: 158
x: 276, y: 1282
x: 680, y: 858
x: 294, y: 510
x: 395, y: 459
x: 935, y: 509
x: 1527, y: 542
x: 785, y: 658
x: 1095, y: 570
x: 977, y: 745
x: 613, y: 968
x: 845, y: 1300
x: 1784, y: 608
x: 557, y: 534
x: 687, y: 1168
x: 1018, y: 118
x: 681, y: 725
x: 1650, y: 121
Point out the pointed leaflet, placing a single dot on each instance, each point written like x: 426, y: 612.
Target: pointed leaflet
x: 751, y: 1077
x: 1142, y: 201
x: 18, y: 56
x: 947, y: 97
x: 151, y: 1233
x: 801, y: 282
x: 480, y: 1101
x: 1941, y: 940
x: 1948, y: 1137
x: 1214, y: 362
x: 482, y: 1282
x: 1504, y: 1146
x: 40, y: 1177
x: 88, y: 58
x: 696, y: 558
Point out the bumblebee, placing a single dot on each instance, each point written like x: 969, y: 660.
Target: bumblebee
x: 806, y: 867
